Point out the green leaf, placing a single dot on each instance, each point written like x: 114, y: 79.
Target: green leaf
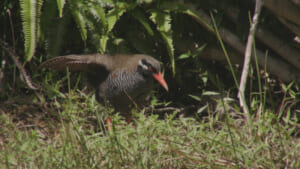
x: 163, y: 25
x: 201, y: 109
x: 199, y: 50
x: 197, y: 17
x: 112, y: 17
x: 210, y: 93
x: 60, y: 6
x: 28, y: 15
x: 290, y: 85
x: 195, y: 97
x: 143, y: 20
x: 169, y: 42
x: 103, y: 42
x: 98, y: 13
x: 80, y: 20
x: 184, y: 56
x: 181, y: 8
x: 162, y: 20
x: 287, y: 88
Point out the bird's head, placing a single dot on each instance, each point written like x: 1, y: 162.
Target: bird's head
x: 152, y: 67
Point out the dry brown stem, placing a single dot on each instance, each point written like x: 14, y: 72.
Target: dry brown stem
x: 22, y: 70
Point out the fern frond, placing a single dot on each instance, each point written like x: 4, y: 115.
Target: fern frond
x: 96, y: 10
x: 28, y: 15
x: 81, y: 23
x: 163, y: 25
x: 138, y: 14
x: 96, y: 22
x: 112, y: 17
x: 60, y: 6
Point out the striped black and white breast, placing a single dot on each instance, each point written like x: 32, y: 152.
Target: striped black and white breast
x: 121, y: 83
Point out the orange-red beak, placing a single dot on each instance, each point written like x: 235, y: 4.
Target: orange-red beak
x: 158, y: 76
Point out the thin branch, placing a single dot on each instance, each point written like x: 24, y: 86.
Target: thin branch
x: 23, y: 72
x: 164, y: 109
x: 150, y: 109
x: 248, y: 52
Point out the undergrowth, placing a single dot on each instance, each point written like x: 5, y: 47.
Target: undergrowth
x: 68, y: 130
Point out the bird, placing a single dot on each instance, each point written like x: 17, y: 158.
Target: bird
x: 123, y: 81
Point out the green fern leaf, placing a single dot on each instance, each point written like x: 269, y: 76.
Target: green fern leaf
x: 143, y: 20
x: 96, y: 10
x: 112, y: 17
x: 80, y: 20
x: 60, y: 5
x: 28, y: 15
x: 98, y: 13
x: 163, y: 25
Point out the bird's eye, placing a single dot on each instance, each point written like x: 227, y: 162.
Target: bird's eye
x: 143, y: 65
x: 146, y: 66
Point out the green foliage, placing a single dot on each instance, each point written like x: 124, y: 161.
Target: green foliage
x: 73, y: 138
x: 99, y: 23
x: 96, y: 22
x: 112, y: 17
x: 163, y: 22
x: 140, y: 16
x: 80, y: 20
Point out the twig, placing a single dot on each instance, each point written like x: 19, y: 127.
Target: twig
x: 164, y: 109
x: 23, y: 72
x: 248, y: 51
x: 167, y: 109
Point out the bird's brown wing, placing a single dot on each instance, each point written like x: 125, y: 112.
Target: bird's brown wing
x: 79, y: 62
x: 96, y: 66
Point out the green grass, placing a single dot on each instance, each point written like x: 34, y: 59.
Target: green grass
x: 51, y: 129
